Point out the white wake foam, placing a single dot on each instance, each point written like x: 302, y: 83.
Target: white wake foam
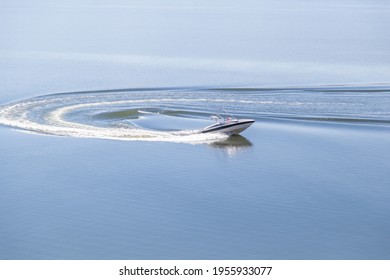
x: 49, y: 115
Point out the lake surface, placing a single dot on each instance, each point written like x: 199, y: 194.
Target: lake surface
x: 309, y: 180
x: 100, y: 102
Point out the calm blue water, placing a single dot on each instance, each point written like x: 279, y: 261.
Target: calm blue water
x: 308, y: 180
x: 99, y: 102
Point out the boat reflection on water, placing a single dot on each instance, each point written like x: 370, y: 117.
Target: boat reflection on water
x: 233, y: 145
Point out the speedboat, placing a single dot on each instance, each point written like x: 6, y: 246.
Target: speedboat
x: 229, y: 125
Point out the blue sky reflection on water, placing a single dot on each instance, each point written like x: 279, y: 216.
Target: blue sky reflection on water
x: 96, y: 44
x: 289, y: 189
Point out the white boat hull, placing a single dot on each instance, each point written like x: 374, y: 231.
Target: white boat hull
x: 230, y: 128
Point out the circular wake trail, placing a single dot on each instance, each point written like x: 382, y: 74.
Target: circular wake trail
x: 80, y: 115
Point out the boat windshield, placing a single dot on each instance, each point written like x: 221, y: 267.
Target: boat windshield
x: 226, y: 119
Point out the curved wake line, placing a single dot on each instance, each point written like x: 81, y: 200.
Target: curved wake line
x: 48, y: 115
x: 124, y: 114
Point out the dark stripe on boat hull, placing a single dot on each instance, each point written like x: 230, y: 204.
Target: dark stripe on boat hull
x: 231, y: 125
